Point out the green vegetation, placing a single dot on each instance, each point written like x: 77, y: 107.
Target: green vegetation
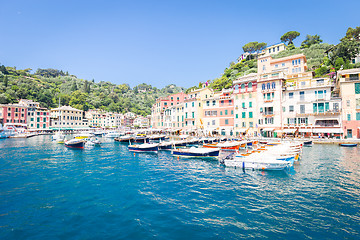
x: 289, y: 37
x: 48, y: 85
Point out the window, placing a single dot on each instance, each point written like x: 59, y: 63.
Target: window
x: 314, y: 108
x: 251, y: 124
x: 226, y: 112
x: 213, y: 122
x: 207, y: 103
x: 357, y: 103
x: 232, y: 112
x: 263, y: 86
x: 193, y: 104
x: 236, y: 115
x: 302, y: 96
x: 283, y: 64
x: 243, y: 124
x: 273, y: 85
x: 193, y: 114
x: 236, y: 87
x: 276, y: 65
x: 243, y: 115
x: 250, y: 85
x: 348, y: 103
x: 291, y: 108
x: 214, y: 103
x: 327, y: 107
x: 268, y: 96
x: 268, y: 85
x: 291, y: 95
x: 222, y: 103
x: 250, y: 114
x: 354, y: 76
x: 321, y: 107
x: 357, y: 88
x: 273, y: 49
x: 358, y: 116
x: 250, y: 95
x: 221, y: 113
x: 278, y: 48
x: 226, y: 121
x: 243, y: 105
x: 242, y: 86
x: 302, y: 109
x: 250, y: 104
x: 230, y: 102
x: 348, y: 117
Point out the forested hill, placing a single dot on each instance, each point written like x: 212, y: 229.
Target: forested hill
x: 48, y: 85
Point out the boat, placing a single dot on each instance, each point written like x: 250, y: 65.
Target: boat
x: 140, y: 139
x: 99, y: 133
x: 93, y: 141
x: 75, y: 143
x: 197, y: 152
x: 165, y: 146
x: 348, y: 144
x: 124, y: 139
x: 234, y: 145
x: 156, y: 137
x: 146, y: 147
x: 83, y: 135
x: 112, y: 134
x: 307, y: 143
x: 259, y: 163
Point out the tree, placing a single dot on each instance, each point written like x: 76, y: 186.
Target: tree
x: 250, y: 47
x: 352, y: 34
x: 6, y: 81
x: 289, y: 36
x: 311, y: 40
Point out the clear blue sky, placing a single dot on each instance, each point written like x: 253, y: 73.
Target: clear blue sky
x: 156, y: 42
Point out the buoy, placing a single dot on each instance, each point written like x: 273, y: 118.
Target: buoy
x: 178, y: 157
x: 134, y: 154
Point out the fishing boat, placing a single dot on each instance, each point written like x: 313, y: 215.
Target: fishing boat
x: 348, y: 144
x: 146, y: 147
x: 197, y: 152
x: 75, y: 143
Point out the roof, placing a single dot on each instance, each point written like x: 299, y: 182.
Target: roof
x: 350, y: 71
x: 288, y: 58
x: 67, y: 108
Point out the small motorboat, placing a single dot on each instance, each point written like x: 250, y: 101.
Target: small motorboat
x: 307, y: 143
x: 93, y: 141
x: 146, y: 147
x: 197, y: 152
x: 348, y: 144
x: 124, y: 139
x: 112, y: 134
x: 75, y: 143
x: 165, y: 145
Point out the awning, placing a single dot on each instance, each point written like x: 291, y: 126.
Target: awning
x: 268, y: 129
x: 289, y: 130
x: 328, y: 130
x: 302, y: 130
x: 240, y: 130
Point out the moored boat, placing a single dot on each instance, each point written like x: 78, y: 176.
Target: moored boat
x: 75, y: 143
x: 124, y: 139
x: 146, y: 147
x: 348, y: 144
x: 197, y: 152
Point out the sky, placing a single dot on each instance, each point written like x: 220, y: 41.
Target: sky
x: 157, y: 42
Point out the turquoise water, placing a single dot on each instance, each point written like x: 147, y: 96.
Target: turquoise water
x: 50, y: 192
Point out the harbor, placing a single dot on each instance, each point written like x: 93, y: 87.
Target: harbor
x: 109, y: 192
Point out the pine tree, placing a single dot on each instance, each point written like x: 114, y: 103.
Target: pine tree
x: 6, y: 81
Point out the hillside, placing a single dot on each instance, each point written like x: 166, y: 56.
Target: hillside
x: 48, y: 85
x: 322, y: 58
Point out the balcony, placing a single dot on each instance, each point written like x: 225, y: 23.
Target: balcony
x: 268, y: 101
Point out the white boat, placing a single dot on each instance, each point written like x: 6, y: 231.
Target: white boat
x: 58, y: 136
x: 196, y: 152
x: 112, y: 134
x: 258, y: 163
x: 93, y: 141
x: 146, y: 147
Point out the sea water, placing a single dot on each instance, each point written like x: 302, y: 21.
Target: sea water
x: 48, y: 191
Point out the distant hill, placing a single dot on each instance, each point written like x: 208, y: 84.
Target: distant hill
x: 48, y: 85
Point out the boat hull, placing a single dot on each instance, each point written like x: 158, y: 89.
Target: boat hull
x: 79, y: 144
x: 212, y: 154
x: 348, y: 144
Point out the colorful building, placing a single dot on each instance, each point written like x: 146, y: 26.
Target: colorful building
x: 37, y: 118
x: 245, y: 102
x: 13, y: 114
x: 349, y: 84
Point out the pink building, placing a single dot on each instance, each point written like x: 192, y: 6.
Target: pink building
x: 13, y: 114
